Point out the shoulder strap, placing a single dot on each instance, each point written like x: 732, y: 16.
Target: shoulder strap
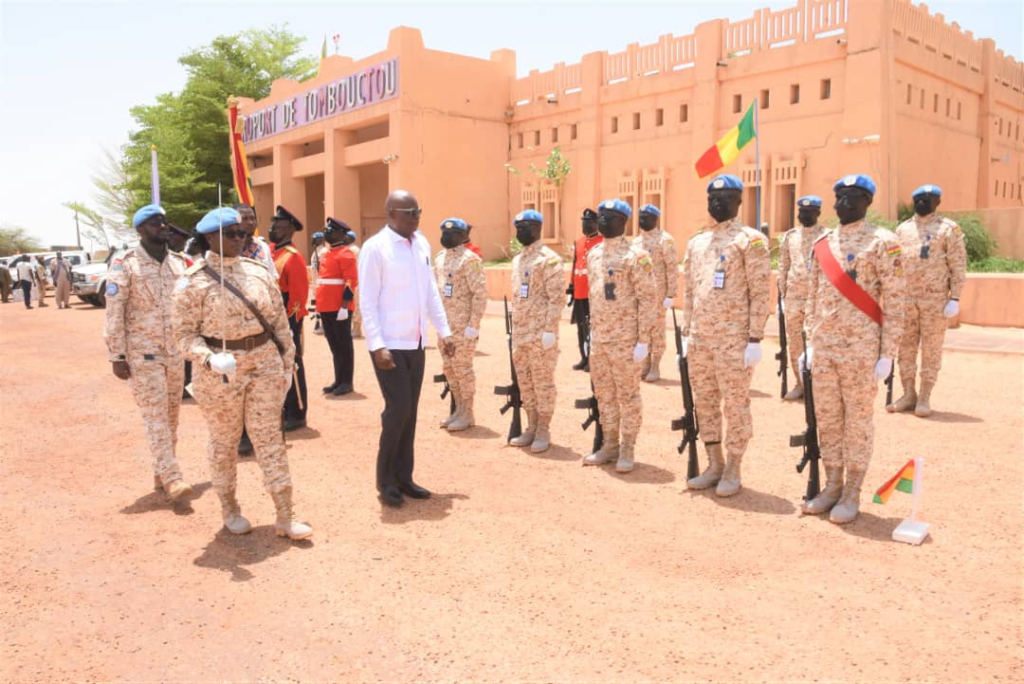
x: 844, y: 283
x: 252, y: 307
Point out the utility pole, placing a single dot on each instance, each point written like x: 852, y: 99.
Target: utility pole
x: 78, y: 233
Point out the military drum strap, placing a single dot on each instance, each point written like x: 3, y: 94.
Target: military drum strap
x: 846, y: 285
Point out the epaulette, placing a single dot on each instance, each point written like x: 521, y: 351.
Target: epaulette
x: 195, y: 268
x: 291, y: 249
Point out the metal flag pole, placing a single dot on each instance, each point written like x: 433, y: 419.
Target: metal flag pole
x: 757, y: 169
x: 224, y: 317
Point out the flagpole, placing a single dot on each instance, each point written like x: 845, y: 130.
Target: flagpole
x: 757, y: 169
x: 154, y: 176
x: 918, y: 478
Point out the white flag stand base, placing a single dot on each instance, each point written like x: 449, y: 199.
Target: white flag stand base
x: 911, y: 532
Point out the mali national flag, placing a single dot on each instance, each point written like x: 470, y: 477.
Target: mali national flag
x: 903, y: 481
x: 239, y: 164
x: 725, y: 151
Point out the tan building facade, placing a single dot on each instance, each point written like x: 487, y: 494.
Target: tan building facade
x: 843, y: 86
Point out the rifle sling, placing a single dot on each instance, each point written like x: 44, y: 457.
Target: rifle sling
x: 252, y: 307
x: 846, y: 285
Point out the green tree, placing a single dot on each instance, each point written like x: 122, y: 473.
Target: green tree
x: 190, y: 128
x: 93, y: 226
x: 15, y: 239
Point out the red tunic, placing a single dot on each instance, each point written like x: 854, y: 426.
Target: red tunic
x: 580, y: 280
x: 293, y: 278
x: 474, y: 249
x: 338, y: 264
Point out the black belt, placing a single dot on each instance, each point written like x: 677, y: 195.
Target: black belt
x: 246, y: 343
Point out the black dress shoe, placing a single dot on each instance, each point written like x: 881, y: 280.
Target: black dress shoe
x: 342, y: 389
x: 391, y: 496
x: 330, y: 388
x: 244, y: 445
x: 586, y: 367
x: 291, y: 424
x: 414, y: 491
x: 581, y: 365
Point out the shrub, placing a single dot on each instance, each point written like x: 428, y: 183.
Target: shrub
x: 977, y: 239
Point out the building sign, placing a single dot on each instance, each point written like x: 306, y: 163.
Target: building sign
x: 369, y: 86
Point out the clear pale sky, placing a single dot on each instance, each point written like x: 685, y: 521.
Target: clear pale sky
x: 70, y: 71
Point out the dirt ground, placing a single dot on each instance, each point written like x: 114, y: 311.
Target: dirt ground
x: 521, y: 568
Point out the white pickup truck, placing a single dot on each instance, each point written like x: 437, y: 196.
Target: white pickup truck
x: 89, y: 281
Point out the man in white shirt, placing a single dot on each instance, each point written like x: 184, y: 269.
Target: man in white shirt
x: 26, y: 276
x: 398, y: 296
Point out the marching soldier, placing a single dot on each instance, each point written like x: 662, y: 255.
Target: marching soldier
x: 936, y: 268
x: 293, y: 280
x: 854, y: 319
x: 794, y: 245
x: 244, y: 361
x: 621, y: 320
x: 335, y: 293
x: 537, y: 286
x: 662, y: 248
x: 141, y: 341
x: 463, y: 287
x: 726, y: 274
x: 579, y: 287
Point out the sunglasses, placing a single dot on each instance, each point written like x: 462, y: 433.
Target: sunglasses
x: 414, y: 213
x: 235, y: 234
x: 156, y: 222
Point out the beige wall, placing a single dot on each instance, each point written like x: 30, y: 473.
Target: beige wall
x: 1007, y: 227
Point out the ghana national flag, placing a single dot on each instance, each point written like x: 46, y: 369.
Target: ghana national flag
x: 725, y: 151
x: 903, y: 481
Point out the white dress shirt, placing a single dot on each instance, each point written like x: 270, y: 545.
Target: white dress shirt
x: 397, y: 292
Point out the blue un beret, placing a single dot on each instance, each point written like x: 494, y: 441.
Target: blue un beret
x: 317, y: 234
x: 855, y: 180
x: 927, y: 190
x: 650, y: 209
x: 147, y: 212
x: 351, y: 235
x: 809, y: 201
x: 529, y: 215
x: 725, y: 182
x: 213, y: 220
x: 617, y: 205
x: 455, y: 223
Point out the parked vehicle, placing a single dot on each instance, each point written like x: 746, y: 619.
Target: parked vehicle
x: 89, y: 281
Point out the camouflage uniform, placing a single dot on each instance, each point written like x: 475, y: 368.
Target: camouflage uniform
x: 726, y: 271
x: 935, y: 260
x: 463, y: 287
x: 257, y: 388
x: 138, y: 330
x: 662, y: 248
x: 41, y: 281
x: 794, y: 246
x: 847, y: 345
x: 622, y: 287
x: 537, y: 286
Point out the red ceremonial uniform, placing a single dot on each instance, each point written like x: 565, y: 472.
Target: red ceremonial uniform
x: 580, y: 279
x: 293, y: 277
x: 474, y: 249
x: 337, y: 271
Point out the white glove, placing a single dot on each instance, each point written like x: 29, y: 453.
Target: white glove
x: 686, y: 346
x: 806, y: 360
x: 342, y: 314
x: 667, y: 303
x: 547, y: 340
x: 952, y: 308
x: 471, y: 333
x: 288, y: 379
x: 883, y: 368
x: 752, y: 354
x: 639, y: 352
x: 223, y: 363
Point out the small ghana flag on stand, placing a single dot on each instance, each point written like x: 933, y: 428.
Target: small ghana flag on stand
x: 903, y: 481
x: 725, y: 151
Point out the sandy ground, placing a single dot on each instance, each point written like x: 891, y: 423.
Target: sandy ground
x: 521, y: 568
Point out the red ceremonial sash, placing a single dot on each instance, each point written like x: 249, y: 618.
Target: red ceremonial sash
x: 846, y: 285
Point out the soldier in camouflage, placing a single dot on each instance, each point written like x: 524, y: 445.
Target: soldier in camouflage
x: 665, y: 260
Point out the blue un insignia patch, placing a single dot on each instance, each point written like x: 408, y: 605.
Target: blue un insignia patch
x: 112, y: 289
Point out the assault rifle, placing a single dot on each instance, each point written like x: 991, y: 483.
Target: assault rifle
x: 808, y: 439
x: 447, y: 391
x: 515, y: 399
x: 888, y: 384
x: 688, y: 422
x: 590, y: 403
x: 782, y: 356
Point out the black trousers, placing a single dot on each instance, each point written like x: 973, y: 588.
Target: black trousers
x: 401, y: 389
x: 291, y: 402
x: 580, y: 316
x: 339, y: 339
x: 26, y: 289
